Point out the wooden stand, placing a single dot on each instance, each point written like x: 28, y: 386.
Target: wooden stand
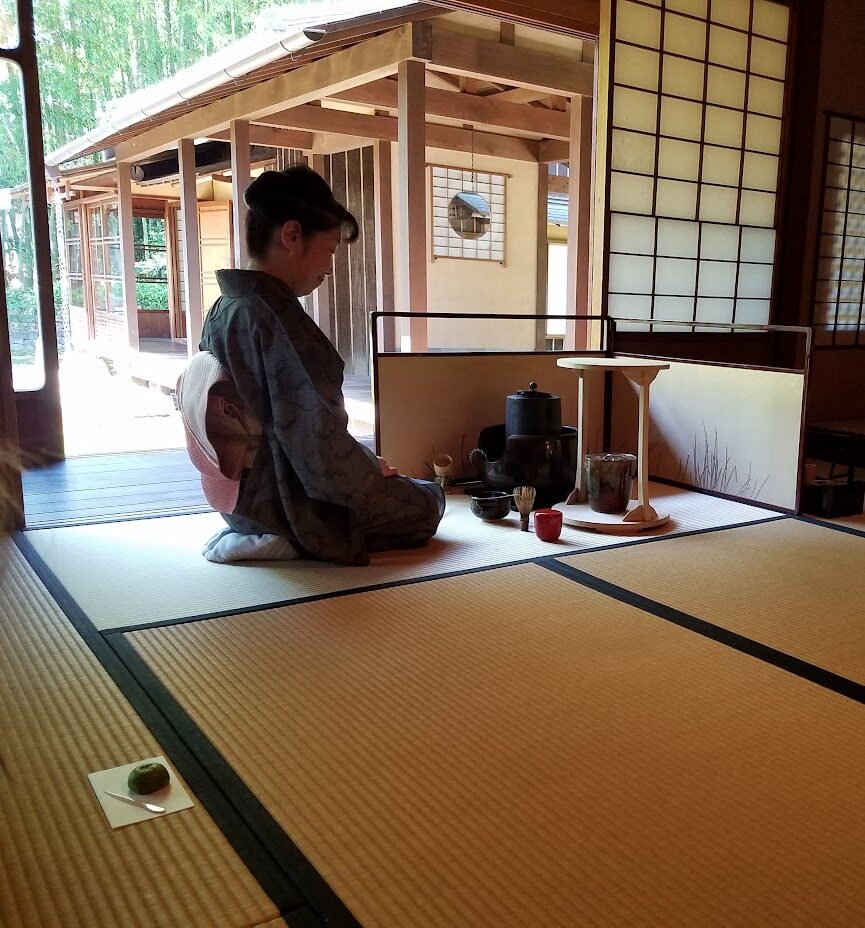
x: 575, y: 509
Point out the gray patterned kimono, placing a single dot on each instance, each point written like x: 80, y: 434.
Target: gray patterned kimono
x: 311, y: 481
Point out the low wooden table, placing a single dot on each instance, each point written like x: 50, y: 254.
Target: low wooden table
x: 642, y: 515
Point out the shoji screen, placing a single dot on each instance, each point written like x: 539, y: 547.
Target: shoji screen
x: 697, y: 96
x: 839, y: 298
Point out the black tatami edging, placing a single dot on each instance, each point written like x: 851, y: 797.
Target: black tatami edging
x: 312, y: 885
x: 443, y: 575
x: 846, y: 529
x: 769, y: 655
x: 260, y: 862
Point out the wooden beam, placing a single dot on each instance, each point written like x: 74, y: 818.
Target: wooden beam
x: 520, y: 95
x: 240, y: 175
x: 376, y: 57
x: 464, y: 107
x: 543, y: 252
x: 557, y: 183
x: 442, y: 81
x: 385, y: 128
x: 455, y: 53
x: 579, y: 223
x: 127, y: 250
x: 553, y: 151
x: 191, y: 245
x: 271, y: 137
x: 321, y: 295
x: 575, y: 16
x: 507, y: 34
x: 384, y: 279
x: 412, y: 296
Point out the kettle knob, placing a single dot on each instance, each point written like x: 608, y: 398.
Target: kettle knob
x: 533, y: 386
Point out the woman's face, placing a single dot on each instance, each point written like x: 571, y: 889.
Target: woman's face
x: 311, y: 259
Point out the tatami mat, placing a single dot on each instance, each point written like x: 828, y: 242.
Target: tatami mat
x: 60, y: 863
x: 795, y: 586
x: 509, y: 749
x: 145, y: 572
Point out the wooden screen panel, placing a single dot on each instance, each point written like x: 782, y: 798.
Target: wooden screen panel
x: 838, y: 304
x: 697, y: 103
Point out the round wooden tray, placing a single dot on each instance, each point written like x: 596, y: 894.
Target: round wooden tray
x: 582, y: 515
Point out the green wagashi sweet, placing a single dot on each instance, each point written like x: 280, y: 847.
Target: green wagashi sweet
x: 148, y: 778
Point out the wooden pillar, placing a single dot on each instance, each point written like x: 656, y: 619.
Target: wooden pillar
x: 579, y: 221
x: 127, y: 250
x: 191, y: 245
x: 240, y: 178
x: 411, y: 138
x: 543, y: 255
x: 321, y: 295
x: 384, y: 282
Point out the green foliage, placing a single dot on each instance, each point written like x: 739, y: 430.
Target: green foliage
x: 151, y: 296
x: 94, y: 51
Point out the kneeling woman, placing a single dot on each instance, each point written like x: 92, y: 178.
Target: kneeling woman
x: 311, y: 483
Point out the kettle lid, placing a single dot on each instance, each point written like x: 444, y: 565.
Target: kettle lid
x: 532, y: 393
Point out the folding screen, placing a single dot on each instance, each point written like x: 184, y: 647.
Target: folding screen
x: 697, y: 92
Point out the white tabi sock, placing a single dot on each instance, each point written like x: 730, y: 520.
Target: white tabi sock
x: 228, y: 547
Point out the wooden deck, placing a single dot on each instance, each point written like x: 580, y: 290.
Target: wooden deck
x: 110, y: 487
x: 137, y: 485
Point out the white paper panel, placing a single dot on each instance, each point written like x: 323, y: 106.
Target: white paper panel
x: 755, y: 281
x: 839, y: 152
x: 833, y: 223
x: 771, y: 19
x: 678, y: 159
x: 765, y: 96
x: 677, y: 308
x: 723, y: 127
x: 858, y: 157
x: 736, y: 13
x: 768, y: 58
x: 630, y: 307
x: 684, y: 36
x: 851, y: 269
x: 721, y: 166
x: 631, y: 194
x: 677, y: 238
x: 717, y: 278
x: 694, y: 7
x: 760, y: 171
x: 631, y: 274
x: 726, y: 88
x: 637, y: 66
x: 711, y: 309
x: 676, y: 199
x: 835, y: 199
x: 758, y: 245
x: 683, y: 78
x: 635, y: 109
x: 857, y: 179
x: 717, y: 204
x: 638, y: 24
x: 632, y: 151
x: 752, y: 312
x: 763, y: 134
x: 681, y: 118
x: 757, y: 209
x: 719, y: 243
x: 632, y: 234
x: 841, y: 129
x: 676, y: 276
x: 728, y: 47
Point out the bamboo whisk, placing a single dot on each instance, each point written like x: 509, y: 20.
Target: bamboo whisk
x: 524, y: 497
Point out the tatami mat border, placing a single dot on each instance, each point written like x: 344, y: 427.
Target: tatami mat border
x: 280, y: 604
x: 160, y: 720
x: 846, y: 529
x: 780, y: 659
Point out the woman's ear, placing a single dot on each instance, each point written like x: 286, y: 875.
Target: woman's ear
x: 290, y: 234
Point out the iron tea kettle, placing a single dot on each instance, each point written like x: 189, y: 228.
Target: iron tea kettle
x: 532, y: 412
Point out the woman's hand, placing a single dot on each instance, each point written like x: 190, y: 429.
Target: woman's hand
x: 386, y: 469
